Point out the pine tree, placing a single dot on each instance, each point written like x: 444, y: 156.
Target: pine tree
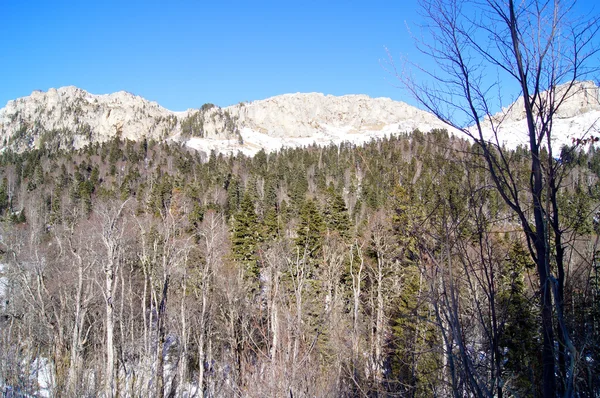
x: 271, y: 224
x: 310, y: 229
x: 410, y: 327
x: 336, y: 214
x: 246, y: 237
x: 4, y: 202
x: 519, y: 334
x: 234, y: 195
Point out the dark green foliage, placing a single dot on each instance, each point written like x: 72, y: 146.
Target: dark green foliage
x: 4, y: 200
x: 160, y: 195
x: 519, y: 331
x: 436, y: 200
x: 271, y: 228
x: 196, y: 215
x: 234, y: 195
x: 207, y: 106
x: 193, y: 125
x: 246, y: 237
x: 310, y: 229
x: 336, y: 214
x: 115, y: 153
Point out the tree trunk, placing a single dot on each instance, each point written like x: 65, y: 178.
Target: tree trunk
x: 160, y: 366
x: 110, y: 350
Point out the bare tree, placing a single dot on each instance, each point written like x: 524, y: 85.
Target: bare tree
x: 111, y: 233
x: 357, y: 263
x: 165, y: 250
x: 212, y: 236
x: 539, y: 50
x: 382, y: 242
x: 77, y: 244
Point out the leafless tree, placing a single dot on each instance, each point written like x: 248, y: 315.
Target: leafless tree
x: 76, y: 242
x: 212, y: 236
x: 111, y: 233
x: 539, y: 50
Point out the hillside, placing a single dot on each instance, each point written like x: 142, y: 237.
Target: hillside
x: 578, y: 117
x: 333, y: 262
x: 71, y: 117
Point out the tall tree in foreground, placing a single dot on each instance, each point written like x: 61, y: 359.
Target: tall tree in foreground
x: 112, y: 232
x: 540, y: 50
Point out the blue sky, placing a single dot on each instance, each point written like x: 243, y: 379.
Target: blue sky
x: 183, y: 54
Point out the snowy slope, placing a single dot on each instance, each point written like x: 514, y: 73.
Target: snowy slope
x: 70, y: 117
x: 578, y: 117
x: 298, y: 120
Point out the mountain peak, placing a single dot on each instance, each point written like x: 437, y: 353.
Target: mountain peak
x: 72, y: 117
x: 578, y: 116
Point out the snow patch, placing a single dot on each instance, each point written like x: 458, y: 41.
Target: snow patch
x: 3, y: 287
x: 289, y: 120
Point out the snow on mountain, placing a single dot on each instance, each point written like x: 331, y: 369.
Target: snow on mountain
x: 70, y: 117
x: 303, y: 115
x: 296, y: 120
x: 577, y: 117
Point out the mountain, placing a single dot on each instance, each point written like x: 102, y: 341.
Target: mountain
x: 293, y: 120
x: 578, y: 117
x: 70, y: 117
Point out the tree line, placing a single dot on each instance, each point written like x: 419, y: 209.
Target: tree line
x: 390, y: 269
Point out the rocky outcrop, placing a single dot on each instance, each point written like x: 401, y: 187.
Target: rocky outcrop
x: 578, y: 116
x: 304, y: 115
x: 70, y: 117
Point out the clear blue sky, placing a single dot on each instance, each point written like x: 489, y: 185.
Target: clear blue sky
x: 183, y: 54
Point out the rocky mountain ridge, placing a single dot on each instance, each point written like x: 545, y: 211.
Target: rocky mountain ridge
x: 70, y: 117
x: 577, y: 117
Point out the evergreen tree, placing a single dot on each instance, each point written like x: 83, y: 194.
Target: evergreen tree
x: 519, y: 333
x: 336, y: 214
x: 4, y: 202
x: 410, y: 317
x: 310, y: 229
x: 234, y: 195
x: 246, y: 237
x: 271, y: 224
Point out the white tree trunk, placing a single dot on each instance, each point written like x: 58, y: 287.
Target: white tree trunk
x: 109, y: 382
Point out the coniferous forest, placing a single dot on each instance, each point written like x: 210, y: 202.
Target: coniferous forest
x: 393, y: 269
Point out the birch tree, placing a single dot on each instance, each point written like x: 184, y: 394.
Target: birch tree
x: 111, y: 233
x: 538, y: 50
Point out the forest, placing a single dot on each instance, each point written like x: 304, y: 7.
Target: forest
x: 393, y: 269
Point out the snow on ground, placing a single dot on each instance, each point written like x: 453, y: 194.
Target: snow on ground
x: 511, y: 134
x: 254, y: 141
x: 3, y: 286
x: 564, y: 130
x: 42, y: 371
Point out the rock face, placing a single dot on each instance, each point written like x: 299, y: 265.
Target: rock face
x: 303, y: 115
x: 294, y: 120
x: 70, y: 117
x: 577, y: 117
